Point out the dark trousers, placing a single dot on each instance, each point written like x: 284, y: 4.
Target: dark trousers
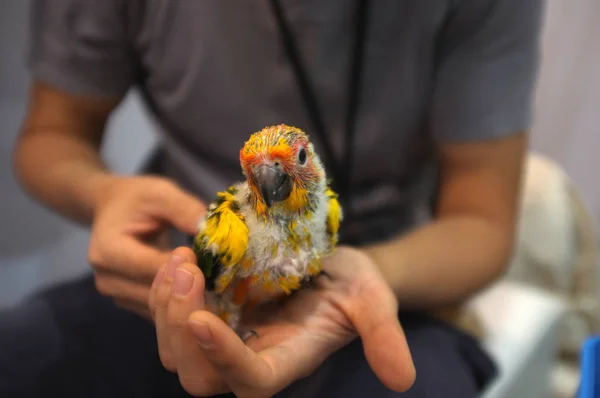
x: 68, y: 341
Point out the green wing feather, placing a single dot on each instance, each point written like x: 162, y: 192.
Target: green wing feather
x: 208, y: 263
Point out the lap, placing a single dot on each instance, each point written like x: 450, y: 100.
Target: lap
x: 69, y: 341
x: 449, y: 364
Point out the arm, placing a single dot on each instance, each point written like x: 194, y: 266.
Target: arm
x: 57, y: 154
x: 82, y: 65
x: 482, y: 98
x: 469, y: 243
x: 81, y: 68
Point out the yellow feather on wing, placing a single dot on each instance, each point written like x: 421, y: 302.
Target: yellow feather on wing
x: 223, y: 240
x: 226, y: 229
x: 334, y: 217
x: 230, y: 234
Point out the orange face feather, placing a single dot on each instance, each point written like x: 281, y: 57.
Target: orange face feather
x: 282, y: 145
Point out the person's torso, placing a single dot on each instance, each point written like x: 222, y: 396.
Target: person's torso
x: 216, y: 71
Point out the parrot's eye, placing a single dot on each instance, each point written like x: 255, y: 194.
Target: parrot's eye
x: 302, y: 156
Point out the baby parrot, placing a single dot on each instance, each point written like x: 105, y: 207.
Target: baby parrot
x: 263, y: 237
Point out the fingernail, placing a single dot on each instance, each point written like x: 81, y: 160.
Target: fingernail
x: 203, y: 333
x: 172, y: 265
x: 183, y: 282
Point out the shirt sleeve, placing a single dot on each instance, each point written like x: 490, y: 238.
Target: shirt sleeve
x: 81, y: 46
x: 486, y: 72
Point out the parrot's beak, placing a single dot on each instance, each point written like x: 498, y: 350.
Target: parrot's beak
x: 274, y: 184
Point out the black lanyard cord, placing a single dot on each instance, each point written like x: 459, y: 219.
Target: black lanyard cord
x: 354, y: 85
x: 341, y: 170
x: 306, y: 91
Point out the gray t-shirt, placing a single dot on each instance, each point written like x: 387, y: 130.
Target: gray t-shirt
x: 214, y: 71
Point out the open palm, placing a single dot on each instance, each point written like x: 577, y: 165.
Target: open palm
x: 293, y: 337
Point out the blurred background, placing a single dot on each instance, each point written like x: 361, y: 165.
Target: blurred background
x: 38, y: 248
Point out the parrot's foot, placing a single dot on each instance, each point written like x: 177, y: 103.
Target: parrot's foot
x: 325, y: 274
x: 312, y: 281
x: 246, y: 335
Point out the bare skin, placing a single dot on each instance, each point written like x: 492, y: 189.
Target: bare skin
x: 470, y: 242
x: 293, y: 337
x: 57, y: 160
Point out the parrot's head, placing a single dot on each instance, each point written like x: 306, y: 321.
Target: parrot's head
x: 282, y: 169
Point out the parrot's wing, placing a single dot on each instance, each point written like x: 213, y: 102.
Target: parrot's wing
x: 334, y: 217
x: 222, y: 238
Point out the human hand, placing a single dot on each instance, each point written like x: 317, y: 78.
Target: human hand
x: 294, y: 337
x: 127, y: 243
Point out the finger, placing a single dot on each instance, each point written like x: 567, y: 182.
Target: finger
x: 185, y: 252
x: 240, y: 367
x: 179, y: 208
x: 246, y: 372
x: 136, y: 308
x: 115, y: 286
x: 160, y: 306
x: 374, y: 315
x: 154, y: 291
x: 130, y: 258
x: 196, y: 374
x: 187, y: 255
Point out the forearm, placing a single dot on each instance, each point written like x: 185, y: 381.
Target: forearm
x: 62, y: 171
x: 445, y: 261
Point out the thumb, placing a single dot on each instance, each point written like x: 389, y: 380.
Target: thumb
x: 179, y: 208
x: 246, y: 372
x: 375, y: 318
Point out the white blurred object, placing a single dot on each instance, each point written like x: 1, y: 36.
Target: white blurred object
x: 521, y: 326
x: 549, y: 301
x: 557, y: 249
